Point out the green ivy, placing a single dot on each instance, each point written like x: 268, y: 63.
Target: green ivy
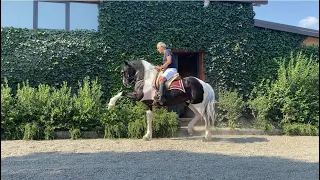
x: 237, y: 55
x: 51, y: 57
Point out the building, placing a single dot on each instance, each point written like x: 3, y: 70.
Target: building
x: 191, y: 61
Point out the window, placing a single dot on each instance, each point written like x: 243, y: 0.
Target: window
x: 51, y: 15
x: 18, y: 14
x: 83, y: 16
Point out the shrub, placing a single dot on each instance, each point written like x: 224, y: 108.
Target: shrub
x: 128, y: 119
x: 293, y: 98
x: 61, y: 110
x: 36, y: 113
x: 300, y: 129
x: 261, y: 105
x: 31, y: 131
x: 115, y: 120
x: 137, y: 126
x: 9, y: 125
x: 165, y: 124
x: 43, y: 110
x: 87, y: 106
x: 230, y: 107
x: 75, y: 133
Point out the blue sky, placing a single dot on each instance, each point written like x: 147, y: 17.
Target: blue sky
x: 295, y: 13
x: 51, y: 15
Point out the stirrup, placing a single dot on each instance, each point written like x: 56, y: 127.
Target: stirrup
x: 161, y: 100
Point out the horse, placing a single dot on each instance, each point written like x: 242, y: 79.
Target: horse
x: 198, y: 95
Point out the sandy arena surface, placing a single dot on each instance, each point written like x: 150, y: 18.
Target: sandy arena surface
x: 226, y: 157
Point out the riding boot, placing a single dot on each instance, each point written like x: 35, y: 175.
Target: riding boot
x: 162, y: 91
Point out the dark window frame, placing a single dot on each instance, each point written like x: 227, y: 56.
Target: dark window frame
x: 67, y: 10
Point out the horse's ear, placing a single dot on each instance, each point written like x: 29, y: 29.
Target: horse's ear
x: 126, y: 63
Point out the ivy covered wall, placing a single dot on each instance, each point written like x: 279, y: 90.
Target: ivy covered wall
x: 236, y: 54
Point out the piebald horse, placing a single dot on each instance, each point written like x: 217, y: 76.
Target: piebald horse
x: 198, y: 95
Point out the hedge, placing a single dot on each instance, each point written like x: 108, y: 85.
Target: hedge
x: 37, y: 113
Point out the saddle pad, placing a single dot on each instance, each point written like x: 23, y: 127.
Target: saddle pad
x: 177, y: 85
x: 167, y: 83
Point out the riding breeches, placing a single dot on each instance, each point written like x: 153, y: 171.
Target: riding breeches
x: 168, y: 74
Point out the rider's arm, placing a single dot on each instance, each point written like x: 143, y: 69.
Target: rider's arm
x: 168, y: 62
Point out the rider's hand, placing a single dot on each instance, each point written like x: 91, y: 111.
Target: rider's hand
x: 158, y: 68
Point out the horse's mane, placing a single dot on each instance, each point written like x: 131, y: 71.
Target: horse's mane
x: 138, y: 64
x: 141, y: 66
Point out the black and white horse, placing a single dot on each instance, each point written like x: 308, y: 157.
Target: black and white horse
x: 198, y: 95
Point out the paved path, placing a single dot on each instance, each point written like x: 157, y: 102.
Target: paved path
x: 226, y: 157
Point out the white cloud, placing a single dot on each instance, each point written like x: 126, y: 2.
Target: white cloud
x: 309, y: 22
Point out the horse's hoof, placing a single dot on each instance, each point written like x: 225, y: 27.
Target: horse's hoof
x: 205, y: 139
x: 146, y: 138
x: 190, y: 131
x: 110, y: 106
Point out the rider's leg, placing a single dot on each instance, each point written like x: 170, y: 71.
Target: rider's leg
x: 162, y: 90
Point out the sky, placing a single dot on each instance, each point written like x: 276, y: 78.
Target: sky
x: 296, y: 13
x: 19, y: 14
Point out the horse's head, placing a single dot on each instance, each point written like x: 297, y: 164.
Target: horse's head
x: 128, y: 74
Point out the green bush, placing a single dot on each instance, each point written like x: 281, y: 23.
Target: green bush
x: 116, y: 119
x: 75, y: 134
x: 262, y: 105
x: 165, y: 124
x: 9, y: 125
x: 34, y: 106
x: 293, y: 98
x: 43, y: 106
x: 31, y: 131
x: 137, y: 125
x: 28, y: 109
x: 230, y: 107
x: 37, y: 113
x: 300, y: 129
x: 298, y: 81
x: 61, y: 109
x: 128, y: 120
x: 87, y: 106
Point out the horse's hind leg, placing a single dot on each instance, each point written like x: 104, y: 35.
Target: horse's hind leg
x: 148, y: 136
x: 194, y: 120
x: 207, y: 136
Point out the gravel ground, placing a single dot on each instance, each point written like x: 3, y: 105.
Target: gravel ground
x: 226, y: 157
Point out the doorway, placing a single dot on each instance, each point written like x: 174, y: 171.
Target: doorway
x: 189, y: 63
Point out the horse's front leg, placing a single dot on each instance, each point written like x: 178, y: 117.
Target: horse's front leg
x: 114, y: 99
x: 148, y: 136
x: 132, y: 95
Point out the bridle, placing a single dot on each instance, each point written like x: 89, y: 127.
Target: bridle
x: 133, y: 77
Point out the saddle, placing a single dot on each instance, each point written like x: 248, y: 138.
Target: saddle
x: 167, y: 84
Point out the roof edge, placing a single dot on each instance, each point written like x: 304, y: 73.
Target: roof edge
x: 255, y: 2
x: 286, y: 28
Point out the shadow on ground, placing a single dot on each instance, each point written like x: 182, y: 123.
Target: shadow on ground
x: 233, y: 140
x: 154, y: 165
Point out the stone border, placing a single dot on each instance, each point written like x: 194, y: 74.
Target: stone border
x: 183, y: 132
x: 199, y: 130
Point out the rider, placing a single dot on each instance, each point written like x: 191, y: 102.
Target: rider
x: 169, y: 68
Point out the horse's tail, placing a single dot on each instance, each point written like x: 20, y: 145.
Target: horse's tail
x: 209, y: 105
